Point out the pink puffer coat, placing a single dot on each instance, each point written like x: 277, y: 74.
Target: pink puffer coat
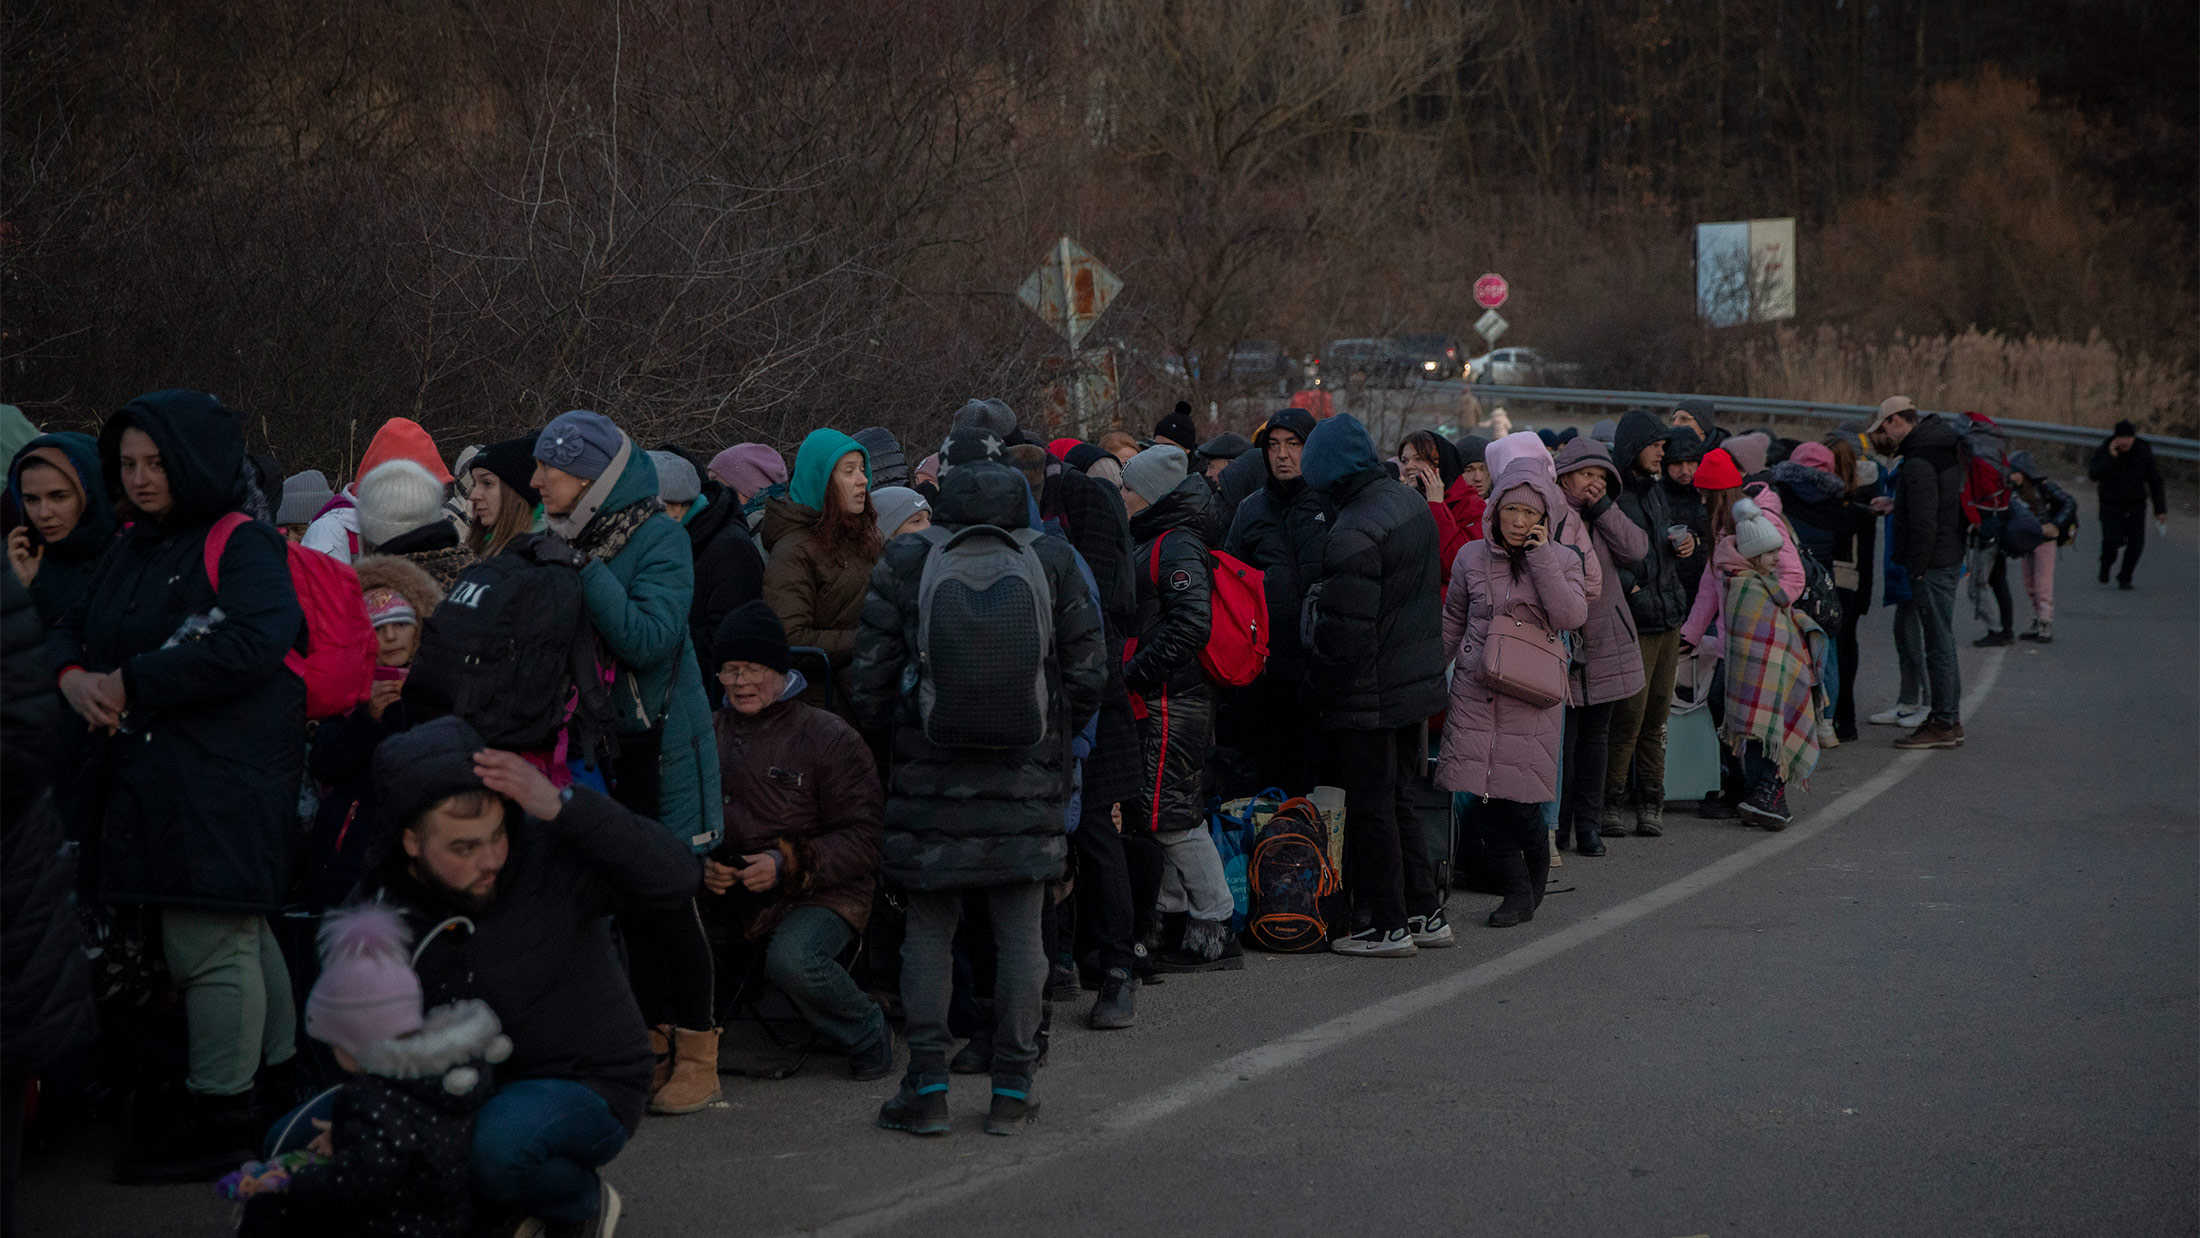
x: 1525, y: 446
x: 1496, y: 745
x: 1610, y: 662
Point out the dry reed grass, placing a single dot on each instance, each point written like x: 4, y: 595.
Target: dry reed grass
x: 2066, y: 382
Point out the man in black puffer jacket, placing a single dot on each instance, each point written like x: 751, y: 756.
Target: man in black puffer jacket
x: 45, y: 995
x: 1660, y: 597
x: 1282, y: 529
x: 1091, y: 514
x: 1926, y: 539
x: 1174, y: 865
x: 959, y: 819
x: 1377, y: 669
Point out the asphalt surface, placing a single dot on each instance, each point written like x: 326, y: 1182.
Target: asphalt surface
x: 1960, y: 996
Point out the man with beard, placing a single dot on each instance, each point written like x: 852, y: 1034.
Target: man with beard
x: 507, y: 883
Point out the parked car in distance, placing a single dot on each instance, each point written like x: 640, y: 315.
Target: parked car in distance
x: 1433, y: 357
x: 1521, y: 367
x: 1369, y: 362
x: 1253, y: 362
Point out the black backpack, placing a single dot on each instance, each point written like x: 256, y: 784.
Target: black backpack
x: 1819, y: 599
x: 511, y: 651
x: 1290, y: 876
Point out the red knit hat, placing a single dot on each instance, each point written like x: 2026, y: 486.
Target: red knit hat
x: 1718, y: 471
x: 1059, y: 448
x: 401, y: 438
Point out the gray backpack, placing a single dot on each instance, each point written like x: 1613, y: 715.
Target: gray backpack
x: 985, y: 635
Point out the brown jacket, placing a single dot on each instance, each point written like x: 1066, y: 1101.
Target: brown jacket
x: 799, y: 781
x: 818, y: 599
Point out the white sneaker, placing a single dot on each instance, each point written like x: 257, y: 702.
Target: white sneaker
x: 1908, y: 717
x: 1374, y: 943
x: 1826, y: 737
x: 1431, y: 932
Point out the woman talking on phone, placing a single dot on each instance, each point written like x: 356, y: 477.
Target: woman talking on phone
x: 1518, y: 589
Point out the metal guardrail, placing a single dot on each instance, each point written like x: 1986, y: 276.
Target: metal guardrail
x: 1658, y: 401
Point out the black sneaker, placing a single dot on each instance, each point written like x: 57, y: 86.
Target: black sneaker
x: 920, y: 1107
x: 1117, y: 1006
x: 602, y: 1225
x: 2104, y: 572
x: 2124, y: 583
x: 1232, y: 958
x: 1993, y: 640
x: 1716, y: 808
x: 1012, y: 1105
x: 873, y: 1061
x: 1062, y: 983
x: 1767, y: 806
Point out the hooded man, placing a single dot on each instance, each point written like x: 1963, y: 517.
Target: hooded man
x: 1659, y: 593
x: 1926, y: 538
x: 1282, y: 529
x: 969, y: 820
x: 1376, y: 665
x: 1699, y: 418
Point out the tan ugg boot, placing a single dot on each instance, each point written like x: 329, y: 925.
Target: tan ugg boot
x: 660, y: 1043
x: 694, y: 1082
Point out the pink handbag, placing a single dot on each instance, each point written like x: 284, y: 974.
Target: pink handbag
x: 1524, y: 658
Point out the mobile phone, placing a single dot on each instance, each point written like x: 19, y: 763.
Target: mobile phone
x: 392, y: 672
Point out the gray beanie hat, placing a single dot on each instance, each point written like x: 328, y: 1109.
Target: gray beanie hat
x: 1754, y: 532
x: 579, y: 442
x: 303, y: 497
x: 1155, y: 471
x: 895, y: 505
x: 676, y: 478
x: 993, y: 415
x: 396, y: 498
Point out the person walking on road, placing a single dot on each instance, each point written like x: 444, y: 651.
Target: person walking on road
x: 1499, y: 745
x: 2123, y: 468
x: 1377, y: 670
x: 1927, y: 537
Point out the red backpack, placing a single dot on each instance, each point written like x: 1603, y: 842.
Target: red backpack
x: 1237, y: 632
x: 1984, y: 450
x: 338, y: 664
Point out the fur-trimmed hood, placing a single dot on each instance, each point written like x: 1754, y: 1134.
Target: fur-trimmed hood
x: 409, y: 579
x: 455, y: 1046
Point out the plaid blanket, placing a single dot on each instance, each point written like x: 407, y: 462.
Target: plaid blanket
x: 1771, y: 675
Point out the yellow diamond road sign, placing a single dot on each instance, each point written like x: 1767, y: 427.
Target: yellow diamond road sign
x: 1070, y: 290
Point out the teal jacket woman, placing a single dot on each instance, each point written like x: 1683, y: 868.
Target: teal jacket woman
x: 823, y: 540
x: 639, y: 583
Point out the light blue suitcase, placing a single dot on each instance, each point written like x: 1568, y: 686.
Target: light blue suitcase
x: 1691, y: 755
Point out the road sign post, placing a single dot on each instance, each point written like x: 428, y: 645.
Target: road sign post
x: 1069, y: 291
x: 1490, y: 326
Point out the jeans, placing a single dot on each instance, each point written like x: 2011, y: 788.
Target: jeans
x: 236, y: 996
x: 2125, y: 531
x: 1758, y: 770
x: 1586, y: 739
x: 1019, y: 983
x: 537, y: 1144
x: 2039, y: 582
x: 1638, y: 724
x: 669, y: 963
x: 1936, y: 592
x: 1909, y: 650
x: 1386, y: 864
x: 803, y: 961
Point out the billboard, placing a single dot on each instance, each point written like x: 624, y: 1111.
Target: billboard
x: 1745, y: 271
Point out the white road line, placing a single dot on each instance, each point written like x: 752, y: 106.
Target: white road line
x: 1253, y: 1065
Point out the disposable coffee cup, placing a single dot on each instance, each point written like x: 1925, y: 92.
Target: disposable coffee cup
x: 1677, y: 533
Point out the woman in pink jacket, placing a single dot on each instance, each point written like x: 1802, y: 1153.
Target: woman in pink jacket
x: 1499, y: 747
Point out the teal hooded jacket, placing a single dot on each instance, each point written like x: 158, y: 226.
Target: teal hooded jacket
x: 639, y: 601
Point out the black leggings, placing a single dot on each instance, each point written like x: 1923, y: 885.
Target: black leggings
x: 1588, y: 736
x: 1997, y: 579
x: 1518, y: 848
x: 1845, y: 651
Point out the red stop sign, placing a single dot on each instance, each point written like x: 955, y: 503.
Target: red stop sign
x: 1489, y: 291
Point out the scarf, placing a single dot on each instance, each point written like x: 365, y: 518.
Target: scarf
x: 1770, y: 679
x: 607, y: 534
x: 573, y: 528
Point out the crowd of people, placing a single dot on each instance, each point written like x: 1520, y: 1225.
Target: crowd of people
x: 512, y: 776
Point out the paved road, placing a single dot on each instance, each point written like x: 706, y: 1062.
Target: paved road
x: 1961, y: 996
